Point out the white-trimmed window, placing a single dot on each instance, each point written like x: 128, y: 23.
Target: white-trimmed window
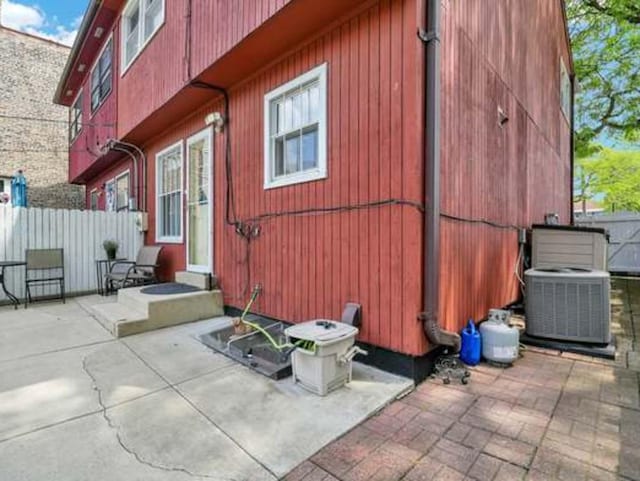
x: 101, y: 76
x: 296, y: 130
x: 141, y: 19
x: 169, y: 194
x: 75, y: 118
x: 122, y: 191
x: 93, y: 199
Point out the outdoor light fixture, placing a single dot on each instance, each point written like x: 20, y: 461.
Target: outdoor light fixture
x: 216, y: 119
x: 69, y: 93
x: 98, y: 33
x: 81, y: 67
x: 503, y: 118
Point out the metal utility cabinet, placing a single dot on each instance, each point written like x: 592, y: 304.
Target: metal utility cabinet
x: 323, y: 363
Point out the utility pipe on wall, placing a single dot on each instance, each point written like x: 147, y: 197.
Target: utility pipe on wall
x: 143, y: 159
x: 431, y: 267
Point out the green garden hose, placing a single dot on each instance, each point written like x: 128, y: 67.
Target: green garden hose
x: 308, y: 345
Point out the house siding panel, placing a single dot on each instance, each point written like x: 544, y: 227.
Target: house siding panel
x: 99, y: 126
x: 310, y: 265
x: 498, y: 55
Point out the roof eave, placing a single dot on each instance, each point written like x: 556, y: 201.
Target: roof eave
x: 87, y: 20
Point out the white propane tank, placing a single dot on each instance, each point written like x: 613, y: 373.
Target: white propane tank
x: 499, y: 341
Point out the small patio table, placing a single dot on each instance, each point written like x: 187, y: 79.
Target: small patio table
x: 3, y: 265
x: 103, y: 266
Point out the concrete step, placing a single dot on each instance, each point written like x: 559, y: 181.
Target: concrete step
x: 112, y: 314
x: 135, y: 312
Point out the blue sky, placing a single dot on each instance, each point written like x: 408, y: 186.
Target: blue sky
x: 56, y: 20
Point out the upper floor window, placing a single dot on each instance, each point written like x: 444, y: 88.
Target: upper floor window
x: 101, y: 76
x: 75, y: 118
x: 140, y: 20
x: 296, y: 130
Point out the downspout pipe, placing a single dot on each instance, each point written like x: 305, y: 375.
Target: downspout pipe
x: 431, y: 258
x: 572, y: 146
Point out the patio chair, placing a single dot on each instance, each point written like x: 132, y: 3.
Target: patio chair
x: 43, y: 267
x: 140, y: 272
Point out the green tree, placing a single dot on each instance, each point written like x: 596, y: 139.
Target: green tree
x: 613, y: 175
x: 605, y: 37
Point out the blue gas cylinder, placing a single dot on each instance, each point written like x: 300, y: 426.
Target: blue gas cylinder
x: 471, y: 345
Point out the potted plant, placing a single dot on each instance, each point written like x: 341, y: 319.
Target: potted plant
x: 111, y: 248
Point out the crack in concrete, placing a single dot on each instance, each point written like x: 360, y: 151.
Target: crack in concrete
x: 123, y: 445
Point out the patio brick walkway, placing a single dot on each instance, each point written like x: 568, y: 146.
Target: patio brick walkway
x: 552, y: 416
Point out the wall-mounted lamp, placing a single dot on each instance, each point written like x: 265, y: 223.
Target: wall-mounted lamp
x: 503, y: 118
x: 216, y: 119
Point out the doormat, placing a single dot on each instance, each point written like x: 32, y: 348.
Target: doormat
x: 169, y: 288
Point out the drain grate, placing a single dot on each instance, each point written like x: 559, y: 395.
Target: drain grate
x: 252, y: 350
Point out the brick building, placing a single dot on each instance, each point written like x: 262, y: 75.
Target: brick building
x: 33, y: 130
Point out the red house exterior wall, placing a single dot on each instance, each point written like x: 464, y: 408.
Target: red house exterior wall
x: 98, y: 126
x: 497, y: 55
x: 310, y: 265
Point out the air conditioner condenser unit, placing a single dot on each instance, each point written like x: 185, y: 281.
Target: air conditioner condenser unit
x: 568, y: 304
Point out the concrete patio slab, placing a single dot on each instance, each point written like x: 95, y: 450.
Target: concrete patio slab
x: 156, y: 406
x: 158, y: 438
x: 176, y: 355
x: 41, y: 391
x: 46, y: 328
x: 280, y: 423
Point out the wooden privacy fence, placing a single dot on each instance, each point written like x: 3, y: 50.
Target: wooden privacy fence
x: 80, y: 233
x: 624, y: 244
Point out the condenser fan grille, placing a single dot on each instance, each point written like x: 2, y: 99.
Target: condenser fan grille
x: 568, y: 306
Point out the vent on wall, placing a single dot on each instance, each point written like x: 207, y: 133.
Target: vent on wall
x: 568, y: 304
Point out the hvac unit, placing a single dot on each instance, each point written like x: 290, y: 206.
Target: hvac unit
x: 568, y: 304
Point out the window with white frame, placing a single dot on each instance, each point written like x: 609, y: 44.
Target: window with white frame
x: 122, y: 191
x: 296, y: 130
x: 140, y: 20
x: 169, y: 194
x: 93, y: 199
x: 101, y: 76
x: 75, y: 119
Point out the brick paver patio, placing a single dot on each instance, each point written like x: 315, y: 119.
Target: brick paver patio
x: 552, y: 416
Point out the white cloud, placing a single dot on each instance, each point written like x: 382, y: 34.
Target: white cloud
x: 32, y: 20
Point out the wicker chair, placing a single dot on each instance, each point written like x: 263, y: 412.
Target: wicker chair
x: 135, y: 273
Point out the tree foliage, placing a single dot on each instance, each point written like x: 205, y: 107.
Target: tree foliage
x: 605, y: 37
x: 613, y: 175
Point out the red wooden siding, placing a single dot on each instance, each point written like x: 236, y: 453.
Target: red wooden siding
x: 311, y: 265
x: 162, y: 69
x: 98, y: 126
x: 497, y: 54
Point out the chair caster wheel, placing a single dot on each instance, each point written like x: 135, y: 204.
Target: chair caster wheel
x: 446, y: 380
x: 465, y: 380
